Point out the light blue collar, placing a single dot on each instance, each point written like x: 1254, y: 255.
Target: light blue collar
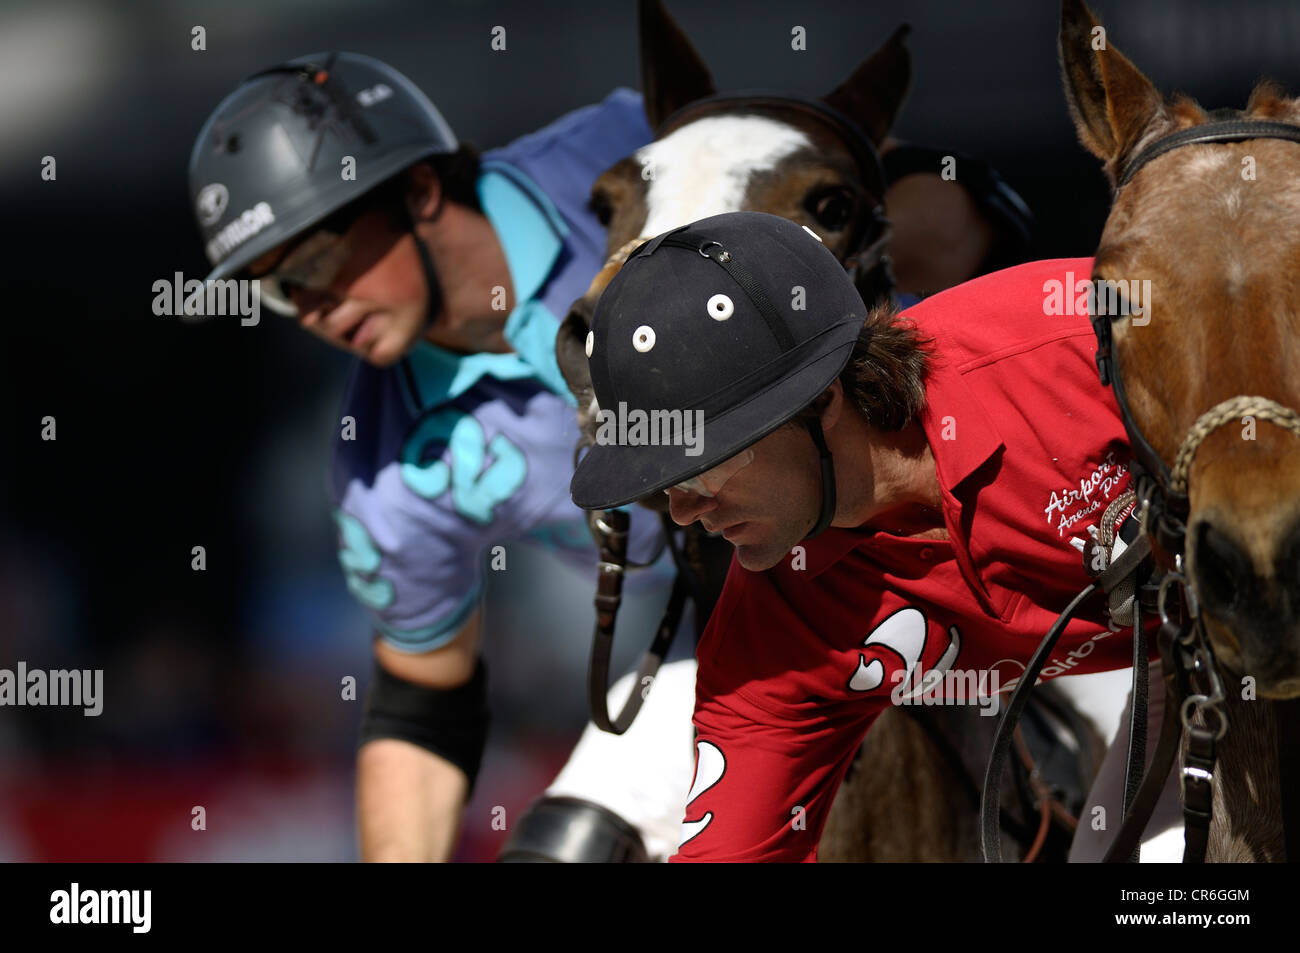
x: 532, y: 234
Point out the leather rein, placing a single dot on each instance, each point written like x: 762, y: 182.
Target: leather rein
x: 1194, y: 688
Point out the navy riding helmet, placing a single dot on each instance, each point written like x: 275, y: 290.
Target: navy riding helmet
x: 738, y: 321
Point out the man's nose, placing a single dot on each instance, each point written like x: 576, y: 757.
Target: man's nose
x: 686, y: 507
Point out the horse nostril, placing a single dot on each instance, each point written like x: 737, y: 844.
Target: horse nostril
x: 1221, y: 569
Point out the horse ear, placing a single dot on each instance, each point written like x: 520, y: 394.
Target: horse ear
x: 672, y: 72
x: 571, y: 353
x: 1111, y: 102
x: 874, y: 94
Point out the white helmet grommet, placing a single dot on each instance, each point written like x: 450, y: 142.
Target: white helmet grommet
x: 591, y: 342
x: 720, y: 307
x: 812, y: 233
x: 643, y: 338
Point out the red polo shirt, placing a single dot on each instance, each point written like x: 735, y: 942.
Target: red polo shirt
x: 798, y: 661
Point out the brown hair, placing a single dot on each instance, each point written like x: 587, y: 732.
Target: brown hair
x: 885, y: 375
x: 458, y: 172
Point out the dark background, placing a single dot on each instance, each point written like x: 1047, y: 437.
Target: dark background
x: 222, y: 687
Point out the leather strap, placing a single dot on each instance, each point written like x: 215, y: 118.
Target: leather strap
x: 1198, y: 793
x: 1125, y: 845
x: 1230, y: 130
x: 609, y: 595
x: 827, y: 511
x: 991, y: 802
x: 850, y: 133
x: 1137, y: 727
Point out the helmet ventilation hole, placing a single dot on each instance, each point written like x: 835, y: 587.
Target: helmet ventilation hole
x: 720, y: 307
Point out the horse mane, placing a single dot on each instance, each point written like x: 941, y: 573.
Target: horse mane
x: 1267, y: 101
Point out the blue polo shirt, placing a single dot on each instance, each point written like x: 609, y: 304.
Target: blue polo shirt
x: 456, y: 454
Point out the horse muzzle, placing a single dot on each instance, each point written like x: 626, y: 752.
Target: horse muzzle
x: 1250, y: 599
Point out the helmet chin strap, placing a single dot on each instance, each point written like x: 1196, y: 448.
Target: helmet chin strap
x: 426, y: 263
x: 828, y: 479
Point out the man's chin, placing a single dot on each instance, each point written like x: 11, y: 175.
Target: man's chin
x: 757, y: 558
x: 389, y: 348
x: 381, y: 356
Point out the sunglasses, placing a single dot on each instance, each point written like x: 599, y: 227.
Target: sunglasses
x: 313, y: 261
x: 710, y: 482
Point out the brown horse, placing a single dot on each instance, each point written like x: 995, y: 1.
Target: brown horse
x: 787, y: 160
x: 1215, y: 229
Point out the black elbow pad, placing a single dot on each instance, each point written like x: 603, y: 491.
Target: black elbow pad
x: 452, y: 723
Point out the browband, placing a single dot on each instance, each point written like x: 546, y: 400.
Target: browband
x: 1230, y: 130
x: 863, y: 150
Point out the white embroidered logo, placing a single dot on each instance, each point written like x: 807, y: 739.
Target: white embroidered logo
x: 1069, y: 505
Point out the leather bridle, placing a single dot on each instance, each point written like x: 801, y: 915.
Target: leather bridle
x: 1194, y: 689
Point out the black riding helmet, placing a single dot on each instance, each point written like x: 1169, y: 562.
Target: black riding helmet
x: 745, y: 317
x: 268, y: 163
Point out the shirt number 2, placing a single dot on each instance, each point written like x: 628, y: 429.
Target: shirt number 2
x: 476, y: 485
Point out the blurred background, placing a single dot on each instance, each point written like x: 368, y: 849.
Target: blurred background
x: 222, y: 687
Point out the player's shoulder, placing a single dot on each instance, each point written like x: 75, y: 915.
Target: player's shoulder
x: 605, y: 131
x: 1005, y: 312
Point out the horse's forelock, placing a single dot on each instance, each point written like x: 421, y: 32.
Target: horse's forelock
x: 704, y: 167
x: 1268, y: 101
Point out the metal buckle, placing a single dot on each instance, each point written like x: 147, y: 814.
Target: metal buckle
x: 1194, y: 775
x: 1189, y: 598
x: 1163, y: 594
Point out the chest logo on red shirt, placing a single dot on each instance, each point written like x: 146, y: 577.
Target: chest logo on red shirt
x: 1067, y: 506
x: 896, y: 647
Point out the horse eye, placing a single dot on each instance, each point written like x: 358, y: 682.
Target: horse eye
x: 601, y: 208
x: 831, y: 208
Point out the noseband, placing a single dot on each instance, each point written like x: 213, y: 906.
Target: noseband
x: 1190, y: 671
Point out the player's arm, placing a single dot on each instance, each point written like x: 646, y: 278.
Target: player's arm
x: 423, y: 733
x: 763, y: 784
